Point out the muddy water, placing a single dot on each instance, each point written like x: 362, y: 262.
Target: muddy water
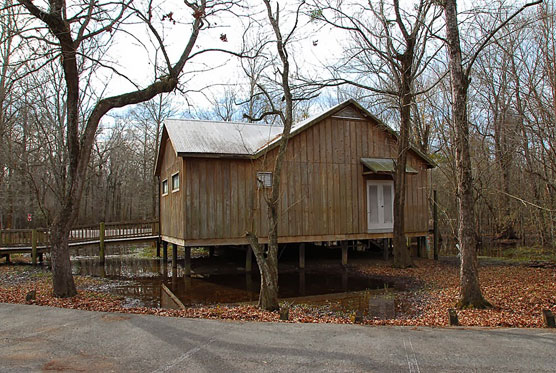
x: 139, y: 281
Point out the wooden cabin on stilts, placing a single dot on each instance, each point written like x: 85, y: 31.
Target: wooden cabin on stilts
x: 336, y: 186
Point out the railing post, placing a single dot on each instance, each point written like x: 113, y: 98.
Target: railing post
x: 101, y: 239
x: 34, y: 246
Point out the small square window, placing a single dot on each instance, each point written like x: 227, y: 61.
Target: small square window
x: 164, y: 187
x: 264, y: 179
x: 175, y: 182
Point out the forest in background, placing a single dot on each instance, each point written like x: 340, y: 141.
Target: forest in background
x: 512, y: 107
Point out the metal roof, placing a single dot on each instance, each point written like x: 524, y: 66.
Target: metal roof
x: 238, y: 139
x: 226, y: 138
x: 196, y: 137
x: 383, y: 165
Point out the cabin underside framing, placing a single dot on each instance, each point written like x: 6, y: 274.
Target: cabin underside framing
x: 294, y: 239
x: 345, y: 242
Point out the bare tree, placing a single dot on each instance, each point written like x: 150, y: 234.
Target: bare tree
x: 69, y: 29
x: 267, y: 257
x: 390, y: 46
x: 470, y: 290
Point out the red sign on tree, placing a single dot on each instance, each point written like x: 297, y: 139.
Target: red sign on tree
x: 29, y: 217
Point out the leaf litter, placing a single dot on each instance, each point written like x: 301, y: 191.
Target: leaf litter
x: 518, y: 294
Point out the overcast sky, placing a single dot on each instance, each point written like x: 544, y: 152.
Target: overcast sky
x: 216, y: 69
x: 314, y: 47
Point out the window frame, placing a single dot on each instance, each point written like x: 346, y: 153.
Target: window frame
x: 164, y: 182
x: 261, y: 182
x: 172, y: 181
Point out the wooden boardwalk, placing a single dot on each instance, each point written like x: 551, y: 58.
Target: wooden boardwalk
x: 36, y: 241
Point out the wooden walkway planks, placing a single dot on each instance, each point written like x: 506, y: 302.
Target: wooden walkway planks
x: 46, y: 248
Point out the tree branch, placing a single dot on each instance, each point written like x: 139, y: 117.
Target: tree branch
x: 493, y: 32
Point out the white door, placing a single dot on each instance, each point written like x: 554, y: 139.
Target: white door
x: 380, y: 205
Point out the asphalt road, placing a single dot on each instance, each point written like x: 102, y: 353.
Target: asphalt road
x: 36, y: 338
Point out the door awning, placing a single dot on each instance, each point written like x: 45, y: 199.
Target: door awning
x: 384, y: 165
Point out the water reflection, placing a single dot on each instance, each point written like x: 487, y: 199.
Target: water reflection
x: 141, y: 279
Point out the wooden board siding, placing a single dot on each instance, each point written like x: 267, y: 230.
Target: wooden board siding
x: 330, y: 197
x: 172, y: 218
x: 220, y: 198
x: 322, y: 193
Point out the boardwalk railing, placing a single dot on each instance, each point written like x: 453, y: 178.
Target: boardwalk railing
x: 84, y: 233
x: 38, y: 240
x: 23, y: 237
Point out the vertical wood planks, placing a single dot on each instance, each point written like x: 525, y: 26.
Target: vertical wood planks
x: 323, y: 190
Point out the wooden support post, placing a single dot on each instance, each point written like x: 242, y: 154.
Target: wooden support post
x: 249, y: 259
x: 344, y: 253
x: 345, y: 281
x: 187, y: 282
x: 302, y: 255
x: 41, y: 258
x: 419, y: 247
x: 302, y: 288
x: 453, y: 315
x: 174, y: 278
x: 174, y: 256
x: 101, y: 239
x: 102, y: 271
x: 211, y: 252
x: 249, y: 285
x: 435, y: 224
x: 165, y: 269
x: 34, y: 247
x: 7, y: 256
x: 187, y: 261
x: 158, y: 247
x: 165, y: 251
x: 284, y: 313
x: 548, y: 318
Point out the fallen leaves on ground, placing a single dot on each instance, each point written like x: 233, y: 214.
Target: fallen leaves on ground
x: 518, y: 294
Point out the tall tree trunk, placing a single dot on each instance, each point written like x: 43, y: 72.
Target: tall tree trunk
x: 402, y: 255
x: 470, y: 291
x: 267, y: 260
x: 62, y: 279
x: 80, y: 145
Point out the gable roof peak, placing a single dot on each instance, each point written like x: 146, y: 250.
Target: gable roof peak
x: 207, y: 138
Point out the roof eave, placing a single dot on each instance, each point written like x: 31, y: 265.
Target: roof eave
x: 162, y: 143
x: 214, y: 155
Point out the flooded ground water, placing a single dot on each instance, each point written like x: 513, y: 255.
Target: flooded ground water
x: 222, y: 280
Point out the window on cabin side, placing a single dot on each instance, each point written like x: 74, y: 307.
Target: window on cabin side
x: 164, y: 187
x: 264, y: 179
x: 175, y: 182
